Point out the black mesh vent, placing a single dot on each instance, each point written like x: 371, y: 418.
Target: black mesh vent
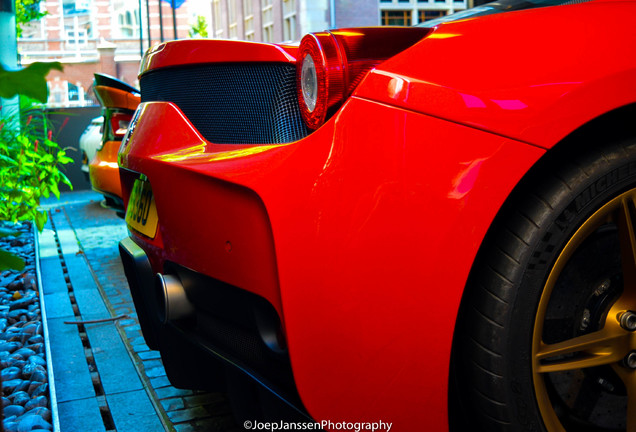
x: 238, y: 103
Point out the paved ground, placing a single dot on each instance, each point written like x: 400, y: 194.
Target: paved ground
x: 106, y: 378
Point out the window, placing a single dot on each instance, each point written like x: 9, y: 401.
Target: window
x: 248, y: 20
x: 425, y: 15
x: 78, y: 26
x: 33, y: 30
x: 72, y: 7
x: 128, y: 21
x: 218, y: 23
x: 233, y: 26
x: 73, y: 92
x: 267, y: 14
x: 289, y: 20
x: 75, y: 37
x: 396, y: 17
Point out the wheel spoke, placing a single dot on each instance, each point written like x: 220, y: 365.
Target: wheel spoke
x: 627, y: 234
x: 602, y: 347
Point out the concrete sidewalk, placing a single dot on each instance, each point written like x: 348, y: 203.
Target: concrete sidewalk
x: 106, y: 378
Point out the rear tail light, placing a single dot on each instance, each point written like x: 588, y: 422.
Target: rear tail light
x: 331, y: 64
x: 119, y: 124
x: 116, y: 124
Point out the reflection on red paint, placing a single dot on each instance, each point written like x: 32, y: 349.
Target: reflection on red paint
x: 512, y: 104
x: 472, y: 101
x: 465, y: 180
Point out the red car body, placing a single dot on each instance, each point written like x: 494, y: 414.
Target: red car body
x: 362, y: 234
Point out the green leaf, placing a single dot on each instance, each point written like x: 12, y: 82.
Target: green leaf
x: 8, y: 160
x: 10, y: 261
x: 55, y: 189
x: 40, y: 220
x: 30, y: 81
x: 65, y: 180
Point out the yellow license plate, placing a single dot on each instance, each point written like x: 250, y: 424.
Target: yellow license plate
x: 141, y: 214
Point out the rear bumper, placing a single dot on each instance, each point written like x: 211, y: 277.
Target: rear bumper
x: 228, y: 329
x: 104, y: 172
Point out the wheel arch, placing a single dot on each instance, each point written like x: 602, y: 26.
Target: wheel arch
x: 610, y: 127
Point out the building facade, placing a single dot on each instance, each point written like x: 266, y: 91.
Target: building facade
x: 106, y: 36
x: 412, y: 12
x: 110, y: 36
x: 286, y: 21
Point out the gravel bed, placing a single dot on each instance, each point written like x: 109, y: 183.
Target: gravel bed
x: 25, y: 388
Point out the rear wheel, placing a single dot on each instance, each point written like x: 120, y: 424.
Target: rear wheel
x: 546, y: 337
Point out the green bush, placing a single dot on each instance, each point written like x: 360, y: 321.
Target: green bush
x: 29, y: 158
x: 29, y: 167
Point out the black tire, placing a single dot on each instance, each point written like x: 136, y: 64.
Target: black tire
x: 549, y: 273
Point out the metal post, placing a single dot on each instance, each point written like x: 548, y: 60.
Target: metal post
x: 148, y: 22
x: 174, y: 18
x: 141, y: 33
x: 160, y: 21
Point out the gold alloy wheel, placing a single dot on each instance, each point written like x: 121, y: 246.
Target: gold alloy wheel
x: 611, y: 343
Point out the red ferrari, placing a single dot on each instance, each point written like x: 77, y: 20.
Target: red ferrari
x: 430, y: 227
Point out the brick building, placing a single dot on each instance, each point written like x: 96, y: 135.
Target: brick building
x: 109, y: 36
x: 89, y: 36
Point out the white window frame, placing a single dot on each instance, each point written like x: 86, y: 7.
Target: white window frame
x: 267, y: 14
x: 289, y: 20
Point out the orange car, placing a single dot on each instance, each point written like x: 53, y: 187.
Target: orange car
x: 120, y: 101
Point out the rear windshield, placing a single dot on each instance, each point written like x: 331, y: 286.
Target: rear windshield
x: 497, y: 7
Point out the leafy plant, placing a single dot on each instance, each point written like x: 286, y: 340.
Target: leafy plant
x: 29, y: 158
x: 26, y: 11
x: 199, y: 29
x: 29, y: 169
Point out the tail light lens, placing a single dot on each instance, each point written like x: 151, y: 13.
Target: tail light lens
x: 119, y: 124
x: 116, y: 123
x: 331, y: 64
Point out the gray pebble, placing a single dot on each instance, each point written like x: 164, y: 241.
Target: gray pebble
x: 43, y: 412
x: 40, y: 401
x: 41, y: 390
x: 10, y: 373
x: 37, y: 360
x: 32, y: 422
x: 19, y: 398
x: 13, y: 410
x: 9, y: 386
x: 9, y: 346
x: 16, y: 363
x: 38, y: 376
x: 23, y: 386
x: 36, y: 339
x: 31, y: 328
x: 10, y: 425
x: 25, y: 352
x: 29, y: 368
x: 22, y: 303
x: 37, y: 347
x: 18, y: 313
